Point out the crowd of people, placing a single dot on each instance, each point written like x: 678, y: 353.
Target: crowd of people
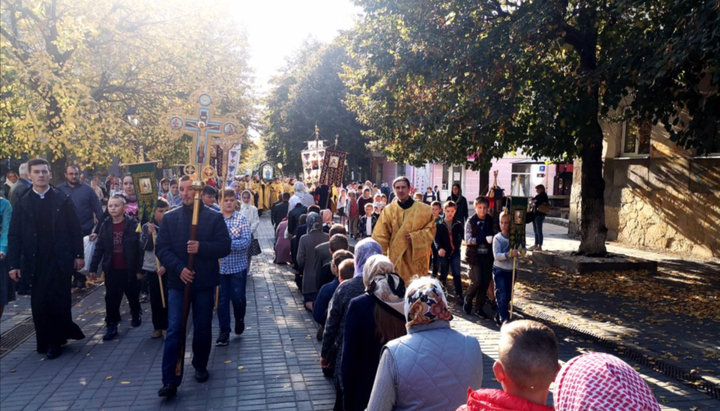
x: 381, y: 306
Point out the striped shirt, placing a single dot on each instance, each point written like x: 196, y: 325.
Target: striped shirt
x: 239, y: 230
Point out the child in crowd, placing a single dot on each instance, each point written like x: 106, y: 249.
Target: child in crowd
x: 353, y: 213
x: 478, y: 229
x: 448, y: 241
x: 341, y: 204
x: 418, y: 197
x: 502, y: 269
x: 153, y: 272
x: 599, y: 381
x: 326, y: 291
x: 117, y: 246
x: 367, y: 222
x: 435, y: 260
x: 526, y: 366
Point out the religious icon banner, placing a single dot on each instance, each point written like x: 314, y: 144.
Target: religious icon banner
x: 333, y: 167
x: 233, y: 162
x: 518, y: 209
x: 312, y: 161
x: 146, y: 188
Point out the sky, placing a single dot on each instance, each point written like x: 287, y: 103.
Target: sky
x: 276, y: 29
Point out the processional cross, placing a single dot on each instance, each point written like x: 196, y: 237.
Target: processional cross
x: 200, y: 171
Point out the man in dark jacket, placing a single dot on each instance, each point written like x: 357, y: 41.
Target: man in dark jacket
x: 87, y: 207
x: 448, y: 240
x: 279, y: 210
x: 173, y: 249
x: 45, y: 245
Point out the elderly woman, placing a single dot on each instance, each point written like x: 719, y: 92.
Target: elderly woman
x: 300, y: 196
x: 372, y: 320
x: 599, y: 381
x: 335, y: 324
x: 432, y: 367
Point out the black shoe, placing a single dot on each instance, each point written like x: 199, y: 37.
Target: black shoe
x: 222, y: 339
x: 201, y: 375
x: 497, y: 320
x: 320, y: 332
x: 467, y: 307
x: 143, y: 298
x: 168, y: 391
x: 110, y: 332
x: 53, y: 352
x: 136, y: 320
x: 239, y: 326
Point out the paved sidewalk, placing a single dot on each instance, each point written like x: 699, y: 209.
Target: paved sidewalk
x: 274, y: 364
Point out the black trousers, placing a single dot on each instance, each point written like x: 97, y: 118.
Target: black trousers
x: 117, y: 283
x: 159, y: 313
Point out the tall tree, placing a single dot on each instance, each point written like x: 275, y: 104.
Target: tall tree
x: 441, y: 80
x: 74, y: 69
x: 310, y: 92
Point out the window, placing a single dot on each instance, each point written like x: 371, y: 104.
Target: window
x: 400, y: 171
x: 520, y: 183
x: 445, y: 177
x: 636, y: 137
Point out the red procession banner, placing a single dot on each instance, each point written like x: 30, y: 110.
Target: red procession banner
x: 333, y: 167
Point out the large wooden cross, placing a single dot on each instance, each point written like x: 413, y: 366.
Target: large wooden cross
x: 203, y: 127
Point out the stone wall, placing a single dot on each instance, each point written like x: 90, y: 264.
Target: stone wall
x: 668, y: 204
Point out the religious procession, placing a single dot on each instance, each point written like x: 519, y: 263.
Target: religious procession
x: 196, y: 213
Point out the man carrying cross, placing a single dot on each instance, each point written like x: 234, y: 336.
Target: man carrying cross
x: 173, y: 249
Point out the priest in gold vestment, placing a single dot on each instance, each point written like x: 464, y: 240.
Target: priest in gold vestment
x: 405, y: 230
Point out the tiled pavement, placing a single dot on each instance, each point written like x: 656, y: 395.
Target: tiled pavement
x: 273, y: 365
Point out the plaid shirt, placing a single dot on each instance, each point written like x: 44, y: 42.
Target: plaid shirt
x: 239, y: 230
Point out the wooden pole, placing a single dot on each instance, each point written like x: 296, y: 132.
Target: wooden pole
x: 179, y: 365
x: 157, y: 267
x: 512, y: 286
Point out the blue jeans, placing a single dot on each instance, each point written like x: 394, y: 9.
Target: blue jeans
x: 453, y: 263
x: 503, y: 288
x: 202, y: 303
x: 232, y: 288
x: 537, y: 227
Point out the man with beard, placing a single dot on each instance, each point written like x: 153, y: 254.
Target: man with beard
x: 45, y: 244
x: 87, y: 208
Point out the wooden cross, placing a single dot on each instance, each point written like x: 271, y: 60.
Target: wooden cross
x: 202, y: 127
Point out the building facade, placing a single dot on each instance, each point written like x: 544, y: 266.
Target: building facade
x: 657, y: 195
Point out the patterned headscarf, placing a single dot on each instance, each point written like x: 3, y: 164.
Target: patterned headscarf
x: 383, y: 283
x: 363, y: 250
x: 314, y: 222
x: 598, y: 381
x: 425, y: 302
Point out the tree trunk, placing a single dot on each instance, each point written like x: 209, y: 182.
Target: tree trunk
x: 592, y: 206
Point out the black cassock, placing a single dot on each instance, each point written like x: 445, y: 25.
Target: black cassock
x: 46, y: 232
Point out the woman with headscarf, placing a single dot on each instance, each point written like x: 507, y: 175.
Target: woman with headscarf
x: 372, y: 320
x: 306, y: 257
x: 250, y: 212
x: 432, y: 367
x: 335, y: 323
x: 282, y: 244
x: 327, y: 219
x: 598, y: 381
x: 300, y: 196
x: 462, y: 205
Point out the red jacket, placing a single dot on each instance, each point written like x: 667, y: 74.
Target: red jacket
x: 499, y: 400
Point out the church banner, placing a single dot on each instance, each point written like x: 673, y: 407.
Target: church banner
x: 312, y: 160
x: 146, y: 188
x: 233, y: 162
x: 518, y: 210
x: 333, y: 167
